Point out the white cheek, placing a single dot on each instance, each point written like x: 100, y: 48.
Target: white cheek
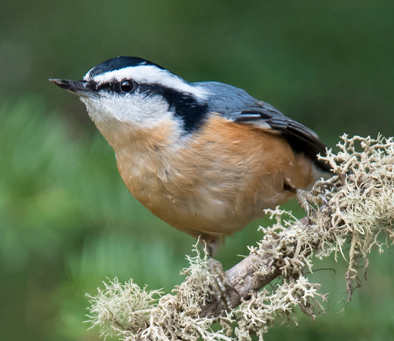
x: 136, y: 109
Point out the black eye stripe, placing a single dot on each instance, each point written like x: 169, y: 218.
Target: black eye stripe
x: 111, y: 86
x: 122, y: 87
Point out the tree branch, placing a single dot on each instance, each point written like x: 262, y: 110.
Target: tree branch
x: 243, y: 279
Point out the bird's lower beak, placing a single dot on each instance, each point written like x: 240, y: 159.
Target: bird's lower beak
x: 80, y: 88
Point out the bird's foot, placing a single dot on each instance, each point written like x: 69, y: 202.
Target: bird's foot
x: 306, y: 198
x: 221, y: 283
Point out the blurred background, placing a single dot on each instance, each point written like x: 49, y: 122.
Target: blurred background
x: 67, y: 221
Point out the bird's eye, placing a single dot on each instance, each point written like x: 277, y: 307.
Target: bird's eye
x: 127, y: 86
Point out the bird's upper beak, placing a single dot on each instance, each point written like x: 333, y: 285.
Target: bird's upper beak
x: 80, y: 88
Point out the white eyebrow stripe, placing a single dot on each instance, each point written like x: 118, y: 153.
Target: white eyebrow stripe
x: 152, y: 75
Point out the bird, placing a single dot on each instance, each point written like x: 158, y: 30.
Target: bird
x: 205, y: 157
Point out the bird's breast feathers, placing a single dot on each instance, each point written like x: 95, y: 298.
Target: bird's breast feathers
x: 216, y: 180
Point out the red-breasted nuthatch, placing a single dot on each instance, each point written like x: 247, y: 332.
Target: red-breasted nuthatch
x: 205, y: 157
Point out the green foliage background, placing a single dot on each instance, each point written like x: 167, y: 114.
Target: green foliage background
x: 66, y: 219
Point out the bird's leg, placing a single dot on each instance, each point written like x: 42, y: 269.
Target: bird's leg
x: 221, y: 283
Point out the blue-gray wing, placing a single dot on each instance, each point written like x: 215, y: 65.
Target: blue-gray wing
x: 238, y: 106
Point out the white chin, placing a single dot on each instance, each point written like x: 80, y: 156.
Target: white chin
x: 139, y: 111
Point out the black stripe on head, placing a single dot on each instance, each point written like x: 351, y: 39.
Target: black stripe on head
x: 119, y: 63
x: 183, y: 104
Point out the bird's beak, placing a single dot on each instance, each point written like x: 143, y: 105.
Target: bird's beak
x: 80, y: 88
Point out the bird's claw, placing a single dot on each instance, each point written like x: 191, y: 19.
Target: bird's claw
x: 306, y: 198
x: 221, y: 283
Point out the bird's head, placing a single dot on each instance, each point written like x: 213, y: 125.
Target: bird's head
x: 140, y: 94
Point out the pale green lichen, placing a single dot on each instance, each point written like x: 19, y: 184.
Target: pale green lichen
x: 133, y: 313
x: 259, y: 313
x: 361, y: 208
x: 122, y: 307
x: 363, y: 205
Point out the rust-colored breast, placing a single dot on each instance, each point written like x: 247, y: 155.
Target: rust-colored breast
x: 215, y: 181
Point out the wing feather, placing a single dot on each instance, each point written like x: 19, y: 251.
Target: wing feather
x: 301, y: 138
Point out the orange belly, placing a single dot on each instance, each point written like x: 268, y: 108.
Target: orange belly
x: 217, y: 180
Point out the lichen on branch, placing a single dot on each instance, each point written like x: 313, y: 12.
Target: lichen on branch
x: 363, y: 204
x: 359, y: 209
